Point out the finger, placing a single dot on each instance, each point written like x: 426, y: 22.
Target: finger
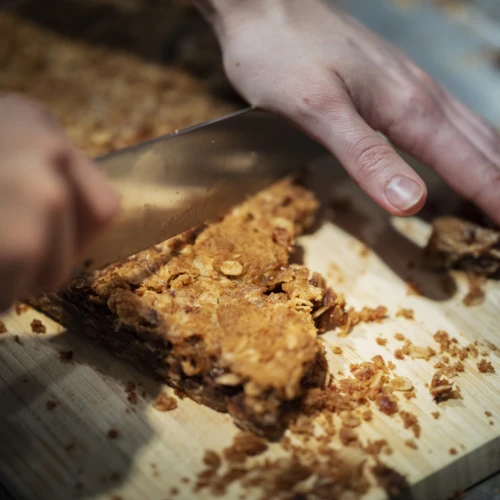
x: 437, y: 135
x: 59, y: 252
x: 95, y: 201
x: 334, y: 122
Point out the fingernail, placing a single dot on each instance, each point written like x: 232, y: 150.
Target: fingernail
x: 403, y: 193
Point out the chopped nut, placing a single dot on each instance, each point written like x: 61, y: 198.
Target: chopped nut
x: 399, y: 336
x: 435, y: 414
x: 405, y: 313
x: 381, y: 341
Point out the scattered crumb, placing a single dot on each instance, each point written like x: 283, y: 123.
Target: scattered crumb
x: 113, y: 433
x: 411, y: 444
x: 20, y: 308
x: 435, y: 414
x: 381, y: 341
x: 174, y: 491
x: 38, y: 327
x: 413, y: 288
x: 399, y: 336
x: 131, y: 394
x: 410, y: 421
x: 488, y: 413
x: 365, y: 251
x: 336, y: 349
x: 211, y: 459
x: 185, y: 480
x: 459, y: 366
x: 50, y: 405
x: 442, y: 389
x: 485, y: 366
x: 3, y: 328
x: 491, y: 422
x: 164, y: 403
x: 405, y: 313
x: 453, y: 451
x: 401, y: 384
x: 391, y: 365
x: 17, y: 339
x: 179, y: 393
x: 367, y: 415
x: 245, y: 444
x: 66, y: 356
x: 367, y: 315
x: 70, y: 447
x: 398, y: 354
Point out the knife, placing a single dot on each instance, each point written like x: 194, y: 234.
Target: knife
x: 175, y: 182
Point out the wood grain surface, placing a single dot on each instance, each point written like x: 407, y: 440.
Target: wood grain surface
x: 55, y: 416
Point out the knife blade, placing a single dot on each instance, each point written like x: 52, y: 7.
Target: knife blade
x: 173, y: 183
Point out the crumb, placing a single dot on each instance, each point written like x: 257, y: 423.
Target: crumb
x: 185, y: 480
x: 50, y: 405
x: 17, y: 339
x: 174, y: 491
x: 435, y: 414
x: 367, y: 315
x: 411, y: 444
x: 459, y: 366
x: 113, y: 433
x: 179, y: 393
x: 245, y: 444
x: 398, y: 354
x: 38, y: 327
x: 365, y: 251
x: 386, y: 403
x: 3, y: 328
x: 410, y: 421
x: 131, y: 394
x: 337, y: 350
x: 367, y: 415
x: 211, y: 459
x: 453, y: 451
x: 413, y: 288
x: 488, y: 413
x: 410, y: 395
x: 20, y: 308
x: 164, y: 403
x: 66, y: 356
x: 405, y: 313
x: 442, y: 389
x: 399, y: 336
x: 485, y: 366
x: 70, y: 447
x: 401, y: 384
x: 491, y: 422
x: 381, y: 341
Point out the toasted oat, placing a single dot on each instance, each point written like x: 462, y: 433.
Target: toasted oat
x: 231, y: 268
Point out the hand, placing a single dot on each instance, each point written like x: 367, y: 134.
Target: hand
x: 339, y: 82
x: 52, y: 201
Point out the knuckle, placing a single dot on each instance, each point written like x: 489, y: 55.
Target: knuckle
x: 319, y: 100
x: 369, y: 156
x: 416, y: 102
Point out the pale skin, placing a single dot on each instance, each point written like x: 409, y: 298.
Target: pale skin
x: 306, y: 61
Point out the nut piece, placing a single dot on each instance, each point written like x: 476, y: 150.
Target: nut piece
x: 231, y: 268
x: 401, y: 384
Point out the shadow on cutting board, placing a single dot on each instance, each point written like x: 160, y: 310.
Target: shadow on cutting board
x: 91, y: 443
x: 346, y: 206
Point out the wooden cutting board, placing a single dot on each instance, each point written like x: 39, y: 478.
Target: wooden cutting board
x: 55, y: 416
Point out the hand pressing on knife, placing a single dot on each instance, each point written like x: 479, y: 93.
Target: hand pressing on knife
x: 339, y: 82
x: 52, y: 201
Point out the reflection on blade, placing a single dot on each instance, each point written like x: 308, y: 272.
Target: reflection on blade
x: 173, y: 183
